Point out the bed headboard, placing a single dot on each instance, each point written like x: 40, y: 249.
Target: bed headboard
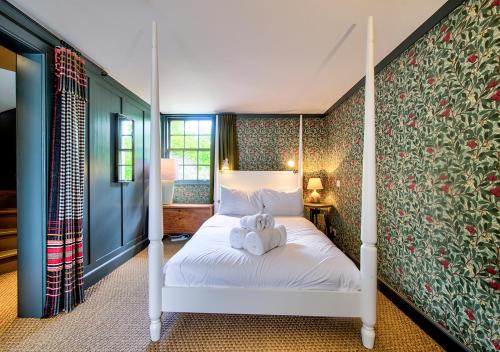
x: 254, y: 180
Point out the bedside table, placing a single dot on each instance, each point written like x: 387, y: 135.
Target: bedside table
x: 185, y: 218
x: 315, y: 209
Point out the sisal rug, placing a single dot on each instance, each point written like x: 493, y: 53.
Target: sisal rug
x: 114, y: 317
x: 8, y: 300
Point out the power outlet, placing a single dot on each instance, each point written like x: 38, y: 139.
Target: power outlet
x: 338, y: 183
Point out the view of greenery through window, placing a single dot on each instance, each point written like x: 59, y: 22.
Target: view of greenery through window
x: 189, y: 143
x: 125, y: 150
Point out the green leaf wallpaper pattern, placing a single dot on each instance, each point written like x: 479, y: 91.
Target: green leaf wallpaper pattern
x: 267, y: 143
x: 198, y: 193
x: 438, y: 180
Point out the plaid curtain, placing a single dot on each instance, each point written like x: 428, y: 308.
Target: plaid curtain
x: 65, y: 215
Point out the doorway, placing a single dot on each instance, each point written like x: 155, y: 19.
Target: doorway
x: 23, y: 141
x: 8, y: 206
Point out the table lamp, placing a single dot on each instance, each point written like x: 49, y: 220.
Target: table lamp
x: 168, y: 176
x: 314, y: 184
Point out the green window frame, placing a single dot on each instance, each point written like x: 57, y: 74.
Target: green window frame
x: 190, y: 143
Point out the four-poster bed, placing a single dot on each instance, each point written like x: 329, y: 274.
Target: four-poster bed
x: 167, y: 295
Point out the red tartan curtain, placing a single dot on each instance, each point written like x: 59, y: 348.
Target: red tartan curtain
x: 64, y: 228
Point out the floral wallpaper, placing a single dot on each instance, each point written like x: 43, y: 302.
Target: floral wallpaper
x: 267, y: 143
x: 438, y: 178
x: 192, y: 193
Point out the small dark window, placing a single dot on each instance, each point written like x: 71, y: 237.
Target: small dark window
x: 124, y: 149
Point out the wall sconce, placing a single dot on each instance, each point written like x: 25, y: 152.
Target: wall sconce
x: 225, y: 165
x: 291, y: 163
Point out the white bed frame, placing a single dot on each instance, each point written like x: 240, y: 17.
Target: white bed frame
x: 267, y: 301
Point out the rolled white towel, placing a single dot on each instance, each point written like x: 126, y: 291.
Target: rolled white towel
x: 237, y: 237
x: 282, y: 233
x: 263, y: 241
x: 253, y: 222
x: 268, y: 221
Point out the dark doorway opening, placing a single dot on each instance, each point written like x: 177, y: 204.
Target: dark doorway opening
x: 8, y: 204
x: 23, y: 175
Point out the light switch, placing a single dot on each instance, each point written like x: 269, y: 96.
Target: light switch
x: 338, y: 183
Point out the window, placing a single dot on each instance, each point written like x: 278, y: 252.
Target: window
x: 189, y: 142
x: 124, y: 149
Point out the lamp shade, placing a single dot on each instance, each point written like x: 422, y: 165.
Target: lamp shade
x: 168, y: 169
x: 314, y: 183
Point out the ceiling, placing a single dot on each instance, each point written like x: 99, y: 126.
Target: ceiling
x: 254, y: 56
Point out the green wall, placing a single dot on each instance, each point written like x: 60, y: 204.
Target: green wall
x: 115, y: 212
x: 438, y: 180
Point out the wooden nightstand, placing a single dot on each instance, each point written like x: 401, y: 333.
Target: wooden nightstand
x: 185, y: 218
x: 315, y: 209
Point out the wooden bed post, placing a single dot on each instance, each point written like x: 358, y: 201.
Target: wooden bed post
x: 155, y: 234
x: 369, y: 204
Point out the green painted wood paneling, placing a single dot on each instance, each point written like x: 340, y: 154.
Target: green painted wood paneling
x: 104, y: 194
x: 133, y: 192
x: 115, y: 212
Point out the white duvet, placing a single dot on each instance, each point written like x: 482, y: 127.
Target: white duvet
x: 309, y: 260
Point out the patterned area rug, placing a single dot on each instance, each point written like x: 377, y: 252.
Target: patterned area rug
x: 115, y: 318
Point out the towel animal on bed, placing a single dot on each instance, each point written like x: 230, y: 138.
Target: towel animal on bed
x: 258, y: 234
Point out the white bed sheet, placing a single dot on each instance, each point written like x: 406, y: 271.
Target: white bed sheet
x: 309, y: 260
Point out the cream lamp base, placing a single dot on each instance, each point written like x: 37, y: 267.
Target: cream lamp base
x: 167, y: 191
x: 315, y: 197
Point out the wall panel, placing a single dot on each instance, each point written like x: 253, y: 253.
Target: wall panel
x: 115, y: 223
x: 133, y: 192
x: 104, y: 194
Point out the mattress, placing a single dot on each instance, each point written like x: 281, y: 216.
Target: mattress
x: 309, y: 260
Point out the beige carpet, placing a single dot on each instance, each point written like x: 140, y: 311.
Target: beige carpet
x: 115, y: 318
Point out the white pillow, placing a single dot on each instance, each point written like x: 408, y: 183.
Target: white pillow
x: 237, y: 202
x: 278, y: 203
